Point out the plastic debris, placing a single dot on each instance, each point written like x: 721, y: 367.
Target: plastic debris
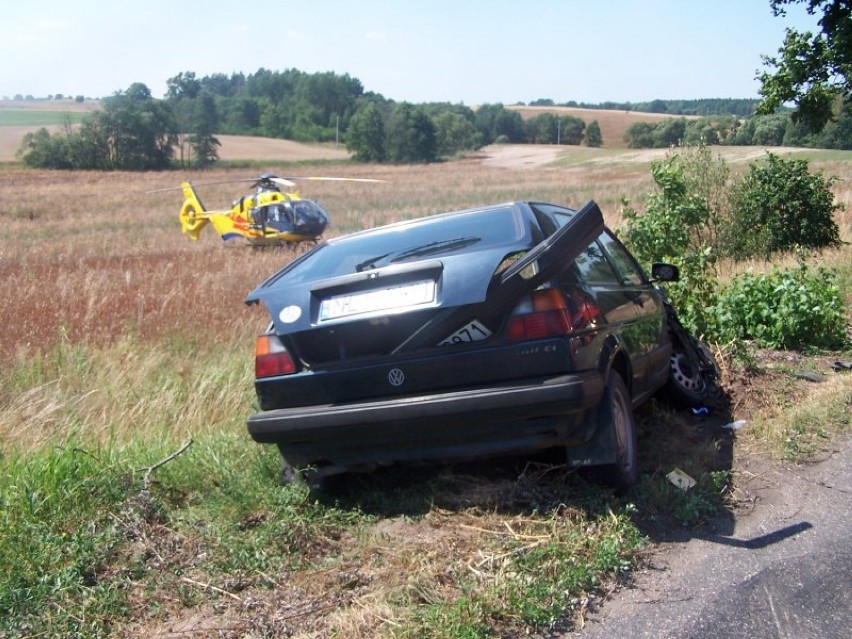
x: 842, y: 366
x: 681, y: 479
x: 701, y: 410
x: 735, y: 425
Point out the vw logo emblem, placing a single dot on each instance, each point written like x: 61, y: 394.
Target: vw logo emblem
x: 396, y: 377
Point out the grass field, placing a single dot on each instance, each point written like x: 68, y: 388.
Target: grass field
x: 31, y: 118
x: 124, y: 341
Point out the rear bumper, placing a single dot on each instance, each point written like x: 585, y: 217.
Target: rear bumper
x: 506, y: 418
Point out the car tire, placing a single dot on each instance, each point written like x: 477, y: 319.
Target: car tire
x: 616, y: 411
x: 688, y: 386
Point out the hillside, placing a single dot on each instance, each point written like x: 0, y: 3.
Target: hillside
x: 613, y: 125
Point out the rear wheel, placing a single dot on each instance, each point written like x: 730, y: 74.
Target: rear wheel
x: 616, y: 411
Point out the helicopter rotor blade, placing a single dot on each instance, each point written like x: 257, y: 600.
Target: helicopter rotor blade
x: 286, y: 182
x: 282, y: 182
x: 172, y: 188
x: 335, y: 179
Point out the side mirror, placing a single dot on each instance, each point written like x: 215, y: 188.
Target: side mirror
x: 662, y: 272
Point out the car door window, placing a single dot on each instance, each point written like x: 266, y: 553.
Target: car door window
x: 626, y: 267
x: 550, y: 217
x: 593, y: 266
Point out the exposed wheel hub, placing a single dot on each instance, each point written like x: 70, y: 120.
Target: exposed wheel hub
x: 686, y: 374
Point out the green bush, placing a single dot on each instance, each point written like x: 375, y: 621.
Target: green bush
x: 786, y: 309
x: 780, y: 205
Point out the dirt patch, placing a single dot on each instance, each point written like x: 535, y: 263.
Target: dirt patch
x: 235, y: 147
x: 519, y: 156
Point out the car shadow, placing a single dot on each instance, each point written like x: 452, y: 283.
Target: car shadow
x: 510, y: 485
x: 696, y: 444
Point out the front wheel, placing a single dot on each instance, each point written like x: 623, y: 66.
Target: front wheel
x: 690, y: 385
x: 616, y: 411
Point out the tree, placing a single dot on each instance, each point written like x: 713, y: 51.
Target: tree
x: 542, y: 128
x: 495, y: 121
x: 571, y: 130
x: 669, y: 132
x: 365, y: 137
x: 454, y: 133
x: 411, y: 135
x: 43, y: 150
x: 133, y: 131
x: 781, y: 205
x: 593, y: 134
x: 639, y: 135
x: 240, y: 115
x: 770, y: 130
x: 812, y: 71
x: 141, y: 129
x: 183, y: 85
x: 838, y: 134
x: 658, y: 106
x: 202, y: 140
x: 703, y: 131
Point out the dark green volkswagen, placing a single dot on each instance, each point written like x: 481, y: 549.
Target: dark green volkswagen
x: 505, y: 329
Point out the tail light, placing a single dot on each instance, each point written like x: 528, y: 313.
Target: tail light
x: 271, y: 358
x: 549, y: 317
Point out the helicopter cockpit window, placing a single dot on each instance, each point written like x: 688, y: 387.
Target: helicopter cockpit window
x: 297, y: 216
x: 308, y: 212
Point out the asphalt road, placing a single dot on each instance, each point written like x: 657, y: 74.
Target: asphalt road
x: 782, y: 570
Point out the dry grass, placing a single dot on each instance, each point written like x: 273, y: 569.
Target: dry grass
x: 89, y: 257
x: 92, y: 259
x: 92, y: 256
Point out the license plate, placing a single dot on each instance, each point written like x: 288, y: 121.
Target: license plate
x: 473, y: 331
x: 391, y: 299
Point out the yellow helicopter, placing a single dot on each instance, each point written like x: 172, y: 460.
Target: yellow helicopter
x: 273, y: 215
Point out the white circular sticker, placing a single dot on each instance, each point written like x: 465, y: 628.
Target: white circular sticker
x: 290, y: 314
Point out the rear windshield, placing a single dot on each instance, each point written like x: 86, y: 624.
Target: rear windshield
x: 426, y: 239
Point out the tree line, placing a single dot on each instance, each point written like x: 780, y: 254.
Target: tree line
x: 778, y: 129
x: 135, y: 131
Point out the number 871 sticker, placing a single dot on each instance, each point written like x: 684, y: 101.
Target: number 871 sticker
x: 473, y: 331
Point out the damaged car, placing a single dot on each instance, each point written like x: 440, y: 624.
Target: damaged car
x: 504, y: 329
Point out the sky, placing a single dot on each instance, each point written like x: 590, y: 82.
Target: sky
x: 467, y: 52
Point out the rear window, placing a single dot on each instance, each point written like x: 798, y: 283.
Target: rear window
x: 425, y: 239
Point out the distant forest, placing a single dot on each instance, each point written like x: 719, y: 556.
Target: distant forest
x: 134, y: 130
